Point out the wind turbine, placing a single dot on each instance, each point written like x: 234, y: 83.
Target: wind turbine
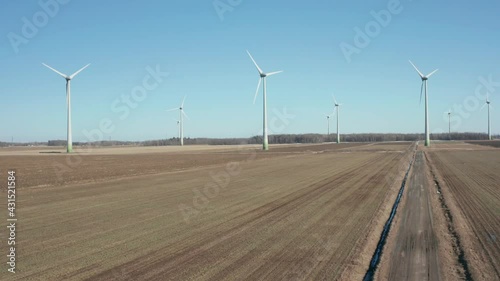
x: 337, y: 107
x: 263, y: 75
x: 69, y: 147
x: 178, y: 128
x: 424, y: 83
x: 489, y: 120
x: 328, y: 122
x: 181, y: 112
x: 449, y: 123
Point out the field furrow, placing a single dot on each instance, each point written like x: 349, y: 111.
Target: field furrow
x: 283, y: 216
x: 472, y: 179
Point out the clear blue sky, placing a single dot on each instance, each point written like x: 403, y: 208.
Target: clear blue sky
x: 205, y: 56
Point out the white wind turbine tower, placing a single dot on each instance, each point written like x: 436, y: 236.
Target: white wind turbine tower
x: 69, y: 147
x: 265, y: 143
x: 328, y: 123
x: 337, y: 107
x: 424, y: 84
x: 489, y: 120
x: 449, y: 123
x: 178, y: 128
x: 180, y: 122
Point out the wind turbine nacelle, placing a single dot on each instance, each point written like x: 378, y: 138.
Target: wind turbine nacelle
x: 263, y: 75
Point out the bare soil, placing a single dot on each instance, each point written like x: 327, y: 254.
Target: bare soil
x: 100, y: 164
x: 414, y: 253
x: 494, y: 143
x: 289, y: 214
x: 452, y: 196
x: 470, y: 186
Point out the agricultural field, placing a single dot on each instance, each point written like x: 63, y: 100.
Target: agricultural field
x: 296, y: 212
x: 494, y: 143
x: 47, y: 166
x: 470, y: 182
x: 302, y: 212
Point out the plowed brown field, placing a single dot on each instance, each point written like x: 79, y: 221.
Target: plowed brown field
x: 471, y: 187
x: 292, y: 214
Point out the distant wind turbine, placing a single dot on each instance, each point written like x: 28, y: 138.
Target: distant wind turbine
x: 178, y: 128
x: 424, y: 84
x: 489, y: 120
x: 69, y: 146
x: 337, y: 107
x: 449, y: 123
x: 180, y: 122
x: 328, y: 122
x: 265, y: 142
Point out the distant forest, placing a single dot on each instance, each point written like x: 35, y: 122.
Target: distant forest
x: 273, y: 139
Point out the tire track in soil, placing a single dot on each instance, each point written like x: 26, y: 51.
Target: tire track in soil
x: 415, y: 256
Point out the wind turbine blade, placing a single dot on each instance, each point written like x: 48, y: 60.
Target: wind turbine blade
x: 487, y: 96
x: 421, y: 91
x: 272, y: 73
x: 184, y: 113
x: 419, y: 73
x: 182, y: 104
x: 62, y: 74
x: 80, y: 70
x: 258, y: 68
x: 334, y: 100
x: 257, y: 91
x: 172, y: 109
x: 482, y: 107
x: 429, y: 75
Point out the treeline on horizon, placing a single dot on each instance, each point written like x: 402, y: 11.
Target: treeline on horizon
x: 273, y: 139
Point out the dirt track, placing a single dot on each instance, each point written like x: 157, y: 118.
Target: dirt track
x: 415, y: 256
x: 448, y: 221
x: 296, y: 216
